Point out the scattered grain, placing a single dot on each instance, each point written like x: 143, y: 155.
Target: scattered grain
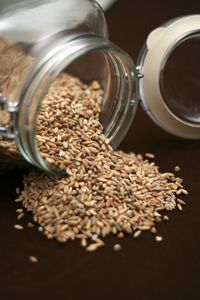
x: 179, y: 207
x: 30, y: 225
x: 158, y: 238
x: 18, y: 227
x: 17, y: 190
x: 137, y: 233
x: 20, y: 216
x: 84, y: 242
x: 153, y: 230
x: 177, y: 169
x: 182, y: 191
x: 33, y: 259
x: 166, y: 218
x: 180, y: 201
x: 93, y: 247
x: 185, y: 192
x: 120, y: 235
x: 149, y: 155
x: 117, y: 247
x: 40, y: 229
x: 105, y: 191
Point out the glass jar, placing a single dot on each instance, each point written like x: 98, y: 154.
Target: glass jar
x: 40, y: 39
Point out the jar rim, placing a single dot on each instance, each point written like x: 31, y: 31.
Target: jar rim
x: 160, y: 44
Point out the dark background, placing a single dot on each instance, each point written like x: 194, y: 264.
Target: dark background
x: 144, y: 269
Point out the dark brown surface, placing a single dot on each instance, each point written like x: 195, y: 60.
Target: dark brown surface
x: 144, y: 269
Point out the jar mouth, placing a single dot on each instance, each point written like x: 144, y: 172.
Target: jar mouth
x: 179, y: 83
x: 115, y: 72
x: 170, y: 76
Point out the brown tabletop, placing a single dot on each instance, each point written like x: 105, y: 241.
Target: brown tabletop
x: 144, y: 269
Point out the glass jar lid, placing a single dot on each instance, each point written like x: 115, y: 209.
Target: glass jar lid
x: 169, y: 71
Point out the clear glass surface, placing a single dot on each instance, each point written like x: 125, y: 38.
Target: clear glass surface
x: 180, y: 79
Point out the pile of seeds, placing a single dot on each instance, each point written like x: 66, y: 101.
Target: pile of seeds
x: 106, y: 191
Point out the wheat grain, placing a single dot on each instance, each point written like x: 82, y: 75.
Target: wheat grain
x: 105, y: 191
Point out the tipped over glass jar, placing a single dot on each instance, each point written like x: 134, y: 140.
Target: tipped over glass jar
x: 40, y: 39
